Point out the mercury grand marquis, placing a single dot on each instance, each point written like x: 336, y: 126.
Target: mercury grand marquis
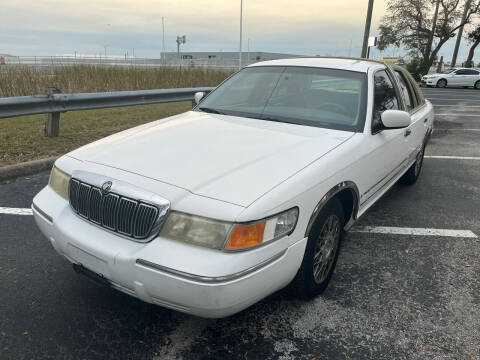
x: 209, y: 211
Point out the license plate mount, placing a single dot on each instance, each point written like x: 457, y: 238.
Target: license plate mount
x: 93, y: 276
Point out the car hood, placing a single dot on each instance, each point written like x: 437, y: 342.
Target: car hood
x: 228, y: 158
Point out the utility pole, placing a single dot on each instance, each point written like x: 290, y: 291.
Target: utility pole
x: 366, y: 33
x: 350, y: 49
x: 430, y: 38
x: 460, y: 32
x: 105, y: 47
x: 241, y: 25
x: 163, y: 42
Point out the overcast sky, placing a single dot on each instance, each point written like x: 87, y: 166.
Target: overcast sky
x: 56, y: 27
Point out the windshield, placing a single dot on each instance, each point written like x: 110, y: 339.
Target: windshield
x: 448, y: 71
x: 318, y: 97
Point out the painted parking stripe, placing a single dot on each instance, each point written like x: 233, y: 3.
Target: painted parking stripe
x: 437, y: 129
x: 15, y: 211
x: 364, y: 229
x: 415, y: 231
x: 452, y: 157
x: 450, y: 95
x: 458, y: 114
x: 460, y: 106
x: 449, y: 99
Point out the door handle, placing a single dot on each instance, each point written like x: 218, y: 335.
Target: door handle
x: 407, y: 132
x: 424, y: 121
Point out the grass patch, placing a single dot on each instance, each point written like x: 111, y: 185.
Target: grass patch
x: 22, y: 138
x: 90, y: 78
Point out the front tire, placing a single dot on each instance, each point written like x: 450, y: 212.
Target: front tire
x: 413, y: 173
x: 321, y: 252
x: 442, y: 83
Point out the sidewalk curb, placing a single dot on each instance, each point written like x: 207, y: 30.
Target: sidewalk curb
x: 27, y: 168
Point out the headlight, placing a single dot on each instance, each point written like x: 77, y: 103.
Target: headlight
x: 224, y: 235
x: 59, y: 182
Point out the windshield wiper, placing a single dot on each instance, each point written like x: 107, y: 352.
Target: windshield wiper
x: 270, y: 118
x: 211, y: 110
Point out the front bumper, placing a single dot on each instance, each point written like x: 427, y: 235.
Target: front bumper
x: 202, y: 282
x: 428, y: 82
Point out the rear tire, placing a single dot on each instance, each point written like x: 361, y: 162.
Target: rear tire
x: 442, y: 83
x: 477, y: 85
x: 413, y: 173
x: 321, y: 252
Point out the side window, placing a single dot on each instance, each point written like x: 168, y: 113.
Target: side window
x: 461, y: 72
x: 405, y: 91
x: 416, y: 89
x: 472, y: 72
x: 385, y: 98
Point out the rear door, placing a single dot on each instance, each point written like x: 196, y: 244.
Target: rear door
x: 461, y: 77
x: 473, y: 77
x: 418, y: 112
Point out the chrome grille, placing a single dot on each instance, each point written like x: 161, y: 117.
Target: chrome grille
x: 115, y: 212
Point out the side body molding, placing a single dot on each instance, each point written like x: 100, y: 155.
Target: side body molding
x: 350, y: 185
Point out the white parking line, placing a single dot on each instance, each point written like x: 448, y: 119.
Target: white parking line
x: 437, y: 129
x: 415, y: 231
x: 365, y: 229
x: 458, y: 114
x: 461, y: 106
x: 452, y: 96
x: 15, y: 211
x: 452, y: 157
x: 449, y: 99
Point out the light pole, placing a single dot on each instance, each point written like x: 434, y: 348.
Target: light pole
x: 180, y: 40
x: 163, y: 41
x: 105, y: 48
x: 241, y: 25
x: 366, y: 33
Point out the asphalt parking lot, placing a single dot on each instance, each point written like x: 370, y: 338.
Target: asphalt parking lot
x: 393, y: 296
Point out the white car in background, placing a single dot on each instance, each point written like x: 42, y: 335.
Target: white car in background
x: 209, y: 211
x: 460, y: 77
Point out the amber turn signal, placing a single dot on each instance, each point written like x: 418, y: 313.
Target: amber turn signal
x: 245, y: 236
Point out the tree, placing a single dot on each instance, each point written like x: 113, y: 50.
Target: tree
x: 409, y: 24
x: 473, y: 37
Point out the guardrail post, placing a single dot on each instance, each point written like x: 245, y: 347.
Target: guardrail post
x: 52, y: 123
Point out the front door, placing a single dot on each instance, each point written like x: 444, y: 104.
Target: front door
x: 388, y: 147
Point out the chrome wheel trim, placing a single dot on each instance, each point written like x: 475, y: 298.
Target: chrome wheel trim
x: 326, y: 248
x: 418, y: 162
x: 441, y: 83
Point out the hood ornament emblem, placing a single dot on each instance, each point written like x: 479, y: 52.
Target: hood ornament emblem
x: 107, y: 185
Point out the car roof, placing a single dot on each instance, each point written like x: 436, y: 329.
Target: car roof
x: 352, y: 64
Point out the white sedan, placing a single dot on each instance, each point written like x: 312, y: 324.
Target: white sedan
x: 453, y: 77
x: 209, y: 211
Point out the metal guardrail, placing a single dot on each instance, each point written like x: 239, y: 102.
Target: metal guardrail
x: 54, y: 102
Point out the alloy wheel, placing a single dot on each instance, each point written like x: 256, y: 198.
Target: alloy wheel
x: 326, y: 248
x: 418, y: 162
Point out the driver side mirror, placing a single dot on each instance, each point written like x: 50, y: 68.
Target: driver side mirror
x: 198, y: 97
x: 395, y: 119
